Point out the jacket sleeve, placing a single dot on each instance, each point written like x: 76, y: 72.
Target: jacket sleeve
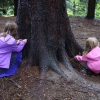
x: 81, y: 58
x: 17, y: 48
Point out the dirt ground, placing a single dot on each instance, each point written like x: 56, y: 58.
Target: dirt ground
x: 25, y: 85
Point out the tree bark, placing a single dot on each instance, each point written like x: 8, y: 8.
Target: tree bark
x: 46, y: 26
x: 91, y: 9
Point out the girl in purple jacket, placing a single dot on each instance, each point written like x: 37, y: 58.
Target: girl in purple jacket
x: 91, y: 55
x: 10, y: 50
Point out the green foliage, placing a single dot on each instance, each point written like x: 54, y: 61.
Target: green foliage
x: 10, y: 10
x: 97, y: 11
x: 79, y: 8
x: 76, y: 7
x: 6, y: 7
x: 1, y: 13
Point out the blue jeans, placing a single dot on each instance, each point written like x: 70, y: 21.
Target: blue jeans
x: 87, y: 66
x: 16, y: 59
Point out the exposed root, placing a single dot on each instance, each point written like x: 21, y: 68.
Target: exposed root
x: 64, y: 59
x: 50, y: 61
x: 55, y: 67
x: 42, y: 75
x: 43, y: 65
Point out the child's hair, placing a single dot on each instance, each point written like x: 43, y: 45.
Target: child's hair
x: 91, y: 43
x: 11, y: 28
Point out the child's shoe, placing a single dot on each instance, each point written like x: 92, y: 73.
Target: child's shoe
x: 89, y: 72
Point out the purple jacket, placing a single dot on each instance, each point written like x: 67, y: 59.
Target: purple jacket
x: 7, y: 46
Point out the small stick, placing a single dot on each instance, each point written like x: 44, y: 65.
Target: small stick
x: 16, y: 84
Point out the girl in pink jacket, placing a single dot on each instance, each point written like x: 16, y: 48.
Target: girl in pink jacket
x: 91, y: 55
x: 10, y: 50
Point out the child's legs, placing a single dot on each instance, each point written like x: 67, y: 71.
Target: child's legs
x: 16, y: 59
x: 87, y: 66
x: 88, y: 71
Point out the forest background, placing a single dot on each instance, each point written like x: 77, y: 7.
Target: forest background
x: 74, y: 7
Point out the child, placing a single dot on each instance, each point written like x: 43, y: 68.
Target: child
x: 91, y: 55
x: 10, y: 47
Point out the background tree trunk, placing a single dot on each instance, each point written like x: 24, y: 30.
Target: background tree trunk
x: 91, y: 9
x: 15, y: 7
x: 46, y: 26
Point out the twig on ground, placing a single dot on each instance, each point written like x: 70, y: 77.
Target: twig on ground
x: 89, y: 88
x: 16, y: 84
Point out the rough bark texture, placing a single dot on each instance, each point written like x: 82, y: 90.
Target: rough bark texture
x: 91, y: 9
x: 46, y: 26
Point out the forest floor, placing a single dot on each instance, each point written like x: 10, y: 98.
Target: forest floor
x: 25, y: 85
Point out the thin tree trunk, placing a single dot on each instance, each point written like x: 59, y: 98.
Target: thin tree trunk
x: 91, y: 9
x: 15, y: 7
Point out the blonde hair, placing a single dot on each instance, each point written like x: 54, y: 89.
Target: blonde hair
x: 11, y: 28
x: 91, y: 43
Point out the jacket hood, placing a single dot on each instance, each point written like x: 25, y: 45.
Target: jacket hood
x: 8, y: 39
x: 94, y: 54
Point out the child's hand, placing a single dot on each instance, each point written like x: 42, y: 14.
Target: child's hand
x: 80, y: 53
x: 25, y: 40
x: 73, y: 59
x: 18, y: 41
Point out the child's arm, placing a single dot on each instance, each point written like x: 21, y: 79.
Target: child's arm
x: 18, y: 41
x: 81, y: 58
x: 18, y: 48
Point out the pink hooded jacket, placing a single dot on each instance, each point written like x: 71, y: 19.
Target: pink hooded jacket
x: 92, y: 59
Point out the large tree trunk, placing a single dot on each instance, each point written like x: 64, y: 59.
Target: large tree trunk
x: 46, y: 26
x: 91, y: 9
